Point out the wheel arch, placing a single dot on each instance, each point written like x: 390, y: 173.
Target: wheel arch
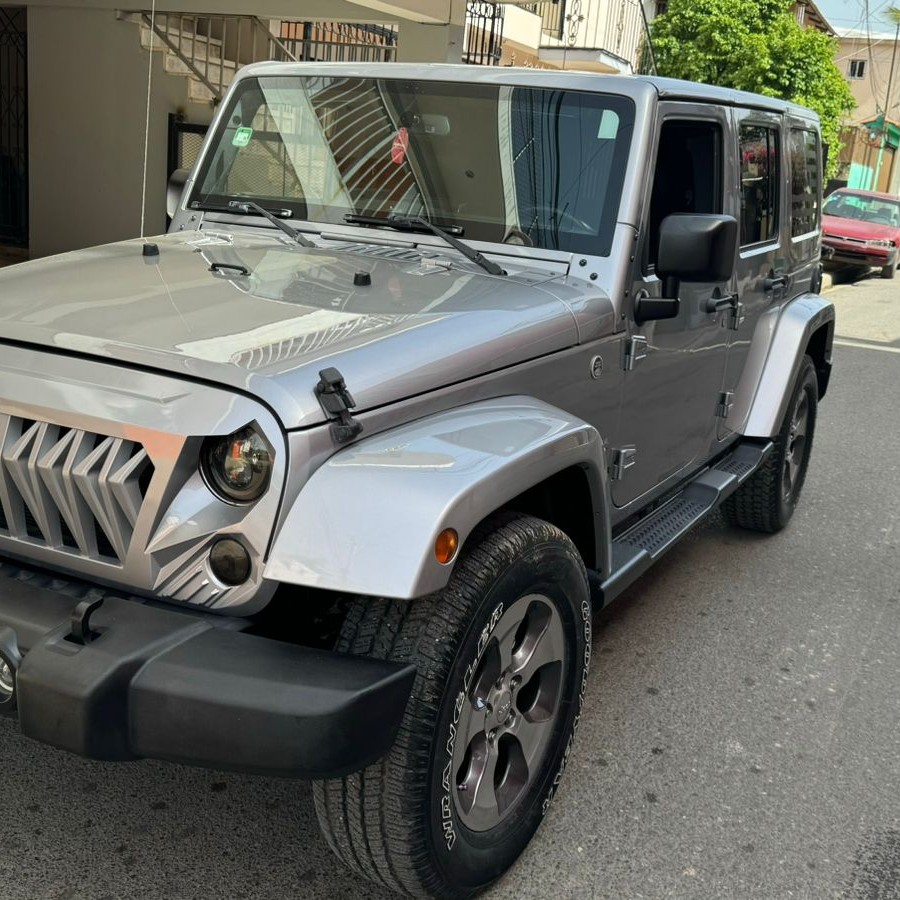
x: 367, y: 519
x: 805, y: 326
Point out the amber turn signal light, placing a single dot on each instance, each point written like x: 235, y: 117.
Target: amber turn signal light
x: 445, y: 546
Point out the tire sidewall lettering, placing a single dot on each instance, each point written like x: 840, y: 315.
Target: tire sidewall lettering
x: 554, y: 785
x: 447, y: 825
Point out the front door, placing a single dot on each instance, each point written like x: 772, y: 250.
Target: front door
x: 13, y: 128
x: 675, y: 368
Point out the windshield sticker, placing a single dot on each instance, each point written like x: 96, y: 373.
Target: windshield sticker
x: 399, y: 147
x: 242, y: 136
x: 609, y: 126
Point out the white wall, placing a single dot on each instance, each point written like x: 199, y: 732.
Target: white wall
x: 87, y: 89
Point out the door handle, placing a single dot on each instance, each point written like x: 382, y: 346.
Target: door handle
x: 776, y: 281
x: 717, y: 304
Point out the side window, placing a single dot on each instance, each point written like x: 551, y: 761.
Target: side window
x: 688, y: 177
x: 805, y: 184
x: 759, y: 184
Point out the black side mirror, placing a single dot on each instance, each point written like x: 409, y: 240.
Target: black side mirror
x: 697, y: 248
x: 177, y: 181
x: 691, y: 248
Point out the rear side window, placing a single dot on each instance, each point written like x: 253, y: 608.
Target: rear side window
x: 805, y: 183
x: 759, y: 184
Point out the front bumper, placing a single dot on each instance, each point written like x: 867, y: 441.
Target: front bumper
x: 840, y: 253
x: 192, y: 688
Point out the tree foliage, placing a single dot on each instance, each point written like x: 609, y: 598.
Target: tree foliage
x: 755, y: 45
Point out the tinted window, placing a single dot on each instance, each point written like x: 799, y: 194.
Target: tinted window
x: 759, y: 184
x: 688, y: 175
x: 805, y: 183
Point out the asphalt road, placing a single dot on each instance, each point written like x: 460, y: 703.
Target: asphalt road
x: 742, y: 738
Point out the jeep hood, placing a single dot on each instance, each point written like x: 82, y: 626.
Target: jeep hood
x: 269, y: 327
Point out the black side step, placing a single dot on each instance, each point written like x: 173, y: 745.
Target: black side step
x: 634, y: 551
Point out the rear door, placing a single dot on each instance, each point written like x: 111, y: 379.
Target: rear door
x: 763, y: 272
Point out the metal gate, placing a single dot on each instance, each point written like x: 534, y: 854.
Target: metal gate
x: 483, y: 40
x: 13, y: 128
x: 185, y: 141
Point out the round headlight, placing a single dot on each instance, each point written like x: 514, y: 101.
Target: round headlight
x: 238, y: 467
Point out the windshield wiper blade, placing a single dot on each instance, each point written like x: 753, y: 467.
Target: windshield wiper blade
x: 419, y: 223
x: 247, y: 207
x: 400, y: 223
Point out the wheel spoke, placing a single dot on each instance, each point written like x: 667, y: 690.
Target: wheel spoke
x: 472, y: 723
x: 541, y: 644
x: 488, y: 671
x: 531, y: 737
x: 475, y: 789
x: 506, y: 632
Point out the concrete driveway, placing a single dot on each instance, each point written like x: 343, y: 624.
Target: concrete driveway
x: 742, y: 737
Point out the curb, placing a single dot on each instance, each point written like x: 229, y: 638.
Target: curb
x: 827, y: 282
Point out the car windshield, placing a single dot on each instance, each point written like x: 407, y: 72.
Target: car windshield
x: 876, y: 210
x: 521, y: 165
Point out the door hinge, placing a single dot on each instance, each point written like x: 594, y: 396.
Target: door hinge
x: 635, y: 351
x: 336, y: 402
x: 623, y: 459
x: 726, y: 401
x: 736, y: 315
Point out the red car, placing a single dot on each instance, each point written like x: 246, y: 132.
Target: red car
x: 862, y: 229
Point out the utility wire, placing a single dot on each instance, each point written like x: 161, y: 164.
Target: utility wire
x: 147, y: 123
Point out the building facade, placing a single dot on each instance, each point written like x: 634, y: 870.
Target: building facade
x: 870, y: 155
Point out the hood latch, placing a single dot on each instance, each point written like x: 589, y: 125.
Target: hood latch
x: 336, y: 402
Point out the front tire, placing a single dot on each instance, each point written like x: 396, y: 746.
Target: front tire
x: 768, y: 499
x: 889, y: 271
x: 501, y: 655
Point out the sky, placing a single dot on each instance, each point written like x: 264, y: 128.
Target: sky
x: 843, y: 14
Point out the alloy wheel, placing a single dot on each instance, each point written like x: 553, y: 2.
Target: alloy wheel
x: 509, y: 711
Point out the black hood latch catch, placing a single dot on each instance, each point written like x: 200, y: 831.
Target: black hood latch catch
x: 336, y: 402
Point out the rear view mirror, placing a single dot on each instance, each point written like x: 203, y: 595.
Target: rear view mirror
x: 697, y: 248
x: 177, y: 181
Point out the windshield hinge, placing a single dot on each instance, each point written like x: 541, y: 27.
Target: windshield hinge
x: 336, y: 402
x: 726, y: 401
x: 623, y: 459
x: 635, y: 351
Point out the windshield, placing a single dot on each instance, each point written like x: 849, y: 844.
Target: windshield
x: 515, y: 164
x: 867, y: 209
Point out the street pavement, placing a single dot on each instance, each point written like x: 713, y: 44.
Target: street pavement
x: 741, y: 738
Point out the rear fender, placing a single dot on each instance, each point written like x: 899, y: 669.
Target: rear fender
x: 799, y: 321
x: 367, y: 520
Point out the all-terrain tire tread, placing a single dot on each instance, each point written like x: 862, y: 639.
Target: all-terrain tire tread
x: 756, y: 504
x: 370, y: 819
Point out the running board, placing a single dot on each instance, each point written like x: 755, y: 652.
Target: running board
x: 634, y: 551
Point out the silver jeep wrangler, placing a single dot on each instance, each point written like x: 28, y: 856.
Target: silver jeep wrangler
x: 434, y: 360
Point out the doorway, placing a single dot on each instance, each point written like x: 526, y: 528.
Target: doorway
x: 13, y: 127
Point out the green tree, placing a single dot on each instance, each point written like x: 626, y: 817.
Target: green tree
x: 755, y: 45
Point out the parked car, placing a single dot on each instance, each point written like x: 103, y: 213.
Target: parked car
x: 861, y: 229
x: 434, y: 362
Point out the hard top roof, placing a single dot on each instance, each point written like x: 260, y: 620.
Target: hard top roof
x: 665, y: 88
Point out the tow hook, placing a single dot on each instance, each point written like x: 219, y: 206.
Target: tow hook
x: 10, y: 660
